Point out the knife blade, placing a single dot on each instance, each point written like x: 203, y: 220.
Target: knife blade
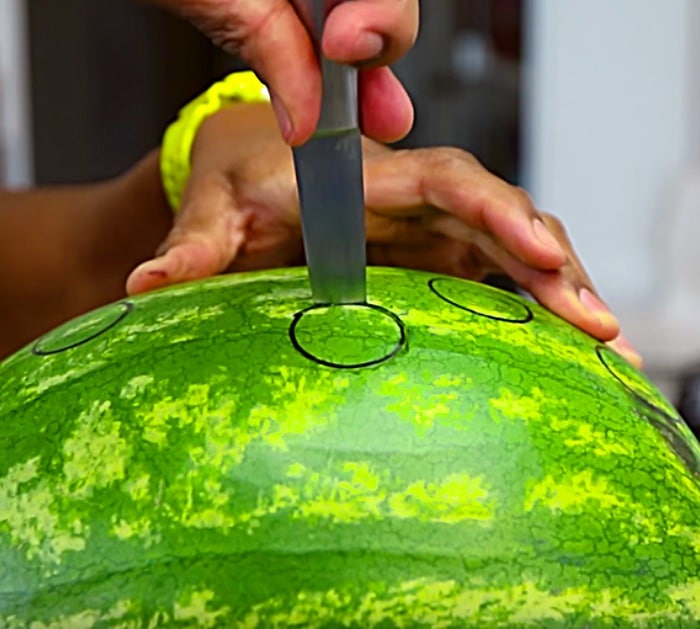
x: 330, y: 180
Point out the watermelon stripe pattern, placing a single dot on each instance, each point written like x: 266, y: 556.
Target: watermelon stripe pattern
x: 466, y: 460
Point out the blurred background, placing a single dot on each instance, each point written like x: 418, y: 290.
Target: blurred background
x: 593, y: 106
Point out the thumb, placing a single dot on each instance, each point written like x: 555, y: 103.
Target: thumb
x: 206, y: 238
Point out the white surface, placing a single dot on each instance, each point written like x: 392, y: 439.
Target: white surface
x: 609, y: 91
x: 668, y: 331
x: 15, y: 117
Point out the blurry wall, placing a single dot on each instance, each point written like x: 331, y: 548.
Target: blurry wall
x: 608, y: 126
x: 16, y: 168
x: 107, y: 77
x: 465, y: 78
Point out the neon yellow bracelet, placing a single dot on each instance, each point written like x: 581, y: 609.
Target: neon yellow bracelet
x: 179, y: 137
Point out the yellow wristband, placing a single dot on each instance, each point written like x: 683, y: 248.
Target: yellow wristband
x: 179, y: 136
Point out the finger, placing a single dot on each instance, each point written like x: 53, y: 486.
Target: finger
x: 411, y: 246
x: 623, y: 347
x: 569, y: 293
x: 371, y: 31
x: 587, y: 292
x: 437, y: 254
x: 386, y: 110
x: 566, y: 291
x: 410, y: 182
x: 406, y: 232
x: 205, y: 240
x: 263, y: 32
x: 558, y: 230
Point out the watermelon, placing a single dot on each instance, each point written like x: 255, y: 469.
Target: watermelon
x: 228, y: 454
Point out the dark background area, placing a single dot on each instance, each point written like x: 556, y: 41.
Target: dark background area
x: 108, y: 76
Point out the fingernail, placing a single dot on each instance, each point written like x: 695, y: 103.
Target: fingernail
x: 283, y: 119
x: 546, y: 237
x: 624, y: 344
x: 623, y: 347
x: 159, y: 273
x: 369, y: 46
x: 596, y: 307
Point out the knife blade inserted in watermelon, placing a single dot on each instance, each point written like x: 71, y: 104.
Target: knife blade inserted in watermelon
x: 329, y: 179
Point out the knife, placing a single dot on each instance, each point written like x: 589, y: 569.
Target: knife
x: 330, y: 181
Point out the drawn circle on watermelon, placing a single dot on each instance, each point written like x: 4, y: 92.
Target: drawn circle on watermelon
x: 492, y: 304
x: 69, y: 336
x: 191, y: 468
x: 351, y: 336
x: 624, y: 373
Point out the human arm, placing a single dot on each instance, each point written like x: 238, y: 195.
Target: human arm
x: 65, y: 250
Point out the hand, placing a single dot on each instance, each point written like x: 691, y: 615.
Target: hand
x: 432, y: 209
x: 270, y: 36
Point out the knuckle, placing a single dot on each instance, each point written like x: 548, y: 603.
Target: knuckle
x: 401, y: 29
x: 446, y: 158
x: 523, y: 199
x: 237, y: 30
x: 226, y: 31
x: 554, y: 224
x: 408, y: 16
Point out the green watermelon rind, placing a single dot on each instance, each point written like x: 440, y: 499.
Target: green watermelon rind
x: 518, y: 532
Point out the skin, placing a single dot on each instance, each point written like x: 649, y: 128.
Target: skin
x: 66, y: 250
x: 433, y: 209
x: 370, y: 34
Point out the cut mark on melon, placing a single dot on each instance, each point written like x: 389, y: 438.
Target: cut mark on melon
x: 76, y: 333
x: 630, y: 378
x: 353, y: 336
x: 654, y: 409
x: 486, y: 302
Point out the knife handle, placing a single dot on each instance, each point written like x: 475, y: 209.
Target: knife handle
x: 339, y: 110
